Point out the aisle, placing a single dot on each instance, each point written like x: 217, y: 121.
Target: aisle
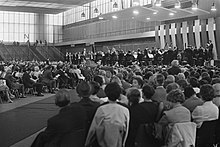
x: 22, y: 122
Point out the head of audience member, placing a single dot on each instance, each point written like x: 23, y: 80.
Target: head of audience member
x: 27, y: 70
x: 189, y: 92
x: 159, y: 80
x: 216, y: 88
x: 148, y: 91
x: 172, y: 86
x: 36, y: 68
x: 137, y: 82
x: 181, y: 76
x: 169, y: 79
x: 182, y: 84
x: 215, y: 81
x: 117, y: 80
x: 99, y: 79
x: 113, y: 91
x: 194, y: 82
x: 95, y: 87
x: 208, y: 79
x: 84, y: 89
x: 62, y: 98
x: 203, y: 82
x: 120, y: 76
x: 133, y: 96
x: 175, y: 63
x: 205, y: 74
x: 176, y: 96
x: 186, y: 74
x: 147, y: 75
x: 207, y: 92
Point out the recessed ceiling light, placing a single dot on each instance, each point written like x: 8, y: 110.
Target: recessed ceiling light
x: 148, y: 18
x: 114, y: 16
x: 135, y: 12
x: 132, y: 17
x: 171, y: 14
x: 101, y: 18
x: 155, y: 13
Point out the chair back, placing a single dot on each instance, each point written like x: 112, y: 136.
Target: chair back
x: 183, y: 134
x: 205, y: 136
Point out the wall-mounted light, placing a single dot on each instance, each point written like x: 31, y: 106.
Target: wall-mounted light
x: 195, y: 5
x: 213, y: 8
x: 178, y: 4
x: 115, y: 5
x: 158, y: 3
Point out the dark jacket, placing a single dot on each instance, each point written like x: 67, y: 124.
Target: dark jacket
x: 26, y: 78
x: 145, y: 112
x: 69, y: 120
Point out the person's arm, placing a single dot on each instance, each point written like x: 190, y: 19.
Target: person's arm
x: 127, y: 115
x: 98, y: 118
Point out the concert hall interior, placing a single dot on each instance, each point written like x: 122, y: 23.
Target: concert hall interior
x: 109, y: 73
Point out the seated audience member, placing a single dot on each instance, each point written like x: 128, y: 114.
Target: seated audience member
x: 36, y: 74
x: 31, y: 83
x: 95, y: 90
x: 208, y: 111
x: 174, y: 70
x: 3, y: 87
x: 84, y: 90
x: 111, y: 121
x: 160, y: 91
x: 216, y: 99
x: 172, y: 86
x: 125, y: 84
x: 169, y: 79
x: 194, y: 82
x: 70, y: 119
x: 13, y: 84
x: 192, y: 101
x: 182, y: 84
x: 100, y: 80
x: 177, y: 113
x: 141, y: 113
x: 48, y: 79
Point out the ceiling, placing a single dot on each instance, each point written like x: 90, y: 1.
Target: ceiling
x: 166, y: 11
x: 40, y: 6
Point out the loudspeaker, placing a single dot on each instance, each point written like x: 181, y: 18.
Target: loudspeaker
x: 217, y: 63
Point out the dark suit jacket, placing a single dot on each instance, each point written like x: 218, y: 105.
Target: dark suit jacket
x: 10, y: 80
x: 26, y: 78
x: 47, y: 76
x: 71, y: 118
x: 90, y: 107
x: 145, y: 112
x: 174, y: 70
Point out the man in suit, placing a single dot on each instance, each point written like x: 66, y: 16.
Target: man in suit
x: 13, y: 84
x: 31, y: 83
x: 70, y: 119
x: 48, y: 79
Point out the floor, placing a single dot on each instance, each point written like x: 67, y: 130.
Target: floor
x: 18, y: 103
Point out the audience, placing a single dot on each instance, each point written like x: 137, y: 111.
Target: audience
x: 208, y: 111
x: 111, y: 121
